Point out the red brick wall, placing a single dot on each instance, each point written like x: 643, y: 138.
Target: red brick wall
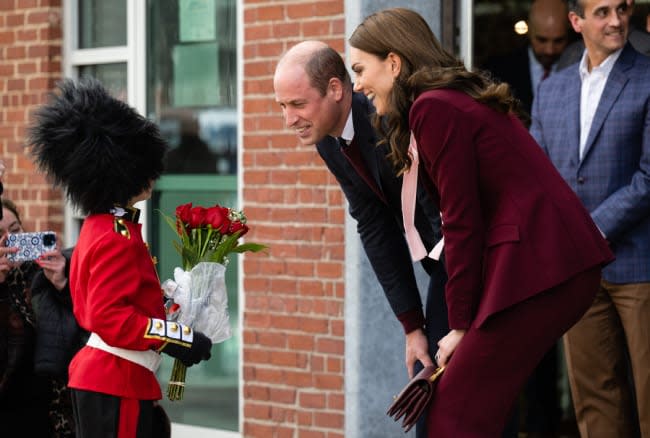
x: 30, y: 64
x: 293, y: 339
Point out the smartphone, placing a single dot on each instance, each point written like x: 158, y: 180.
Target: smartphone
x: 30, y: 245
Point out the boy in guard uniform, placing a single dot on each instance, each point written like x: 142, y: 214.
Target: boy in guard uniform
x: 106, y: 157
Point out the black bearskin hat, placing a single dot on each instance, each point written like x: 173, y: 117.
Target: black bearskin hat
x: 94, y: 146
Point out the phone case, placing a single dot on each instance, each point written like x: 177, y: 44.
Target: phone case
x: 31, y: 245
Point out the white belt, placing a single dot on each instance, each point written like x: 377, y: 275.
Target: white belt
x: 146, y: 358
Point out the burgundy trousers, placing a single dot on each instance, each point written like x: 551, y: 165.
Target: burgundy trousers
x: 484, y: 377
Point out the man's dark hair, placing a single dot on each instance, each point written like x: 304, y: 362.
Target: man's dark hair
x: 577, y: 7
x: 94, y: 146
x: 323, y: 65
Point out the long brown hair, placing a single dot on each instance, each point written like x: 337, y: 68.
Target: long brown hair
x: 9, y: 205
x: 425, y: 66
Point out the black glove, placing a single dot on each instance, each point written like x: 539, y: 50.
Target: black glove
x: 181, y: 341
x: 190, y: 355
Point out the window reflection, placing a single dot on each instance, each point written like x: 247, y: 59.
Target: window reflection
x: 192, y: 83
x: 112, y: 76
x: 201, y: 140
x: 102, y: 23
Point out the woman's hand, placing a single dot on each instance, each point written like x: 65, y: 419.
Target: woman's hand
x: 5, y: 264
x: 53, y: 264
x: 447, y: 346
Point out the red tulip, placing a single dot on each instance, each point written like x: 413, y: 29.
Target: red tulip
x: 183, y: 212
x: 217, y: 217
x: 197, y: 217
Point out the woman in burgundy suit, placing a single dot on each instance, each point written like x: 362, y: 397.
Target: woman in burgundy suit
x: 522, y: 254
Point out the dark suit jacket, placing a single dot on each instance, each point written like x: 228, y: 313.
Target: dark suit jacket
x: 514, y: 69
x: 612, y: 179
x: 374, y: 197
x: 513, y: 228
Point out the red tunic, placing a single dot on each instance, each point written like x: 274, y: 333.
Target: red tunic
x: 115, y: 291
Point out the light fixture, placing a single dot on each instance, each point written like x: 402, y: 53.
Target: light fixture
x: 521, y: 27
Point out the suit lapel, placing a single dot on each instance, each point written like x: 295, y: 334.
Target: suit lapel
x: 367, y: 141
x: 353, y: 154
x: 615, y: 84
x: 572, y: 102
x: 361, y: 153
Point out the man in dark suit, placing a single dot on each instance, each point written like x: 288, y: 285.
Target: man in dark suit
x: 593, y: 119
x: 525, y: 68
x: 314, y: 91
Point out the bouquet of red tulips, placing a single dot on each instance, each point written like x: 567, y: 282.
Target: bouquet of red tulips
x: 197, y: 296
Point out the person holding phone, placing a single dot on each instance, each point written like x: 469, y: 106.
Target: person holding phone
x: 24, y: 396
x: 52, y: 334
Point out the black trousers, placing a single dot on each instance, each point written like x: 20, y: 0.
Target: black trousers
x: 437, y: 324
x: 97, y: 415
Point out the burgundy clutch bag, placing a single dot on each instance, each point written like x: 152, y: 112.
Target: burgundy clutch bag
x: 414, y: 398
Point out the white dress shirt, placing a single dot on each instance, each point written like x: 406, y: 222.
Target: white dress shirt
x: 348, y: 129
x: 593, y: 84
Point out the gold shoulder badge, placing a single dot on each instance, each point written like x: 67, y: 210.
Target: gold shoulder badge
x: 120, y: 227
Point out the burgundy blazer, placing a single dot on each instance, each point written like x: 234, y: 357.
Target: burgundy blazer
x: 513, y: 228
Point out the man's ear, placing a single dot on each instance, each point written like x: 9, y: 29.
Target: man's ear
x: 395, y: 63
x: 335, y: 87
x: 576, y: 21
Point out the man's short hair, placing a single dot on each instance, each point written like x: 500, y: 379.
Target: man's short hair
x: 577, y: 7
x: 323, y: 65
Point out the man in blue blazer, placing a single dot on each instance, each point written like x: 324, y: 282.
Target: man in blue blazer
x: 593, y: 121
x: 314, y: 90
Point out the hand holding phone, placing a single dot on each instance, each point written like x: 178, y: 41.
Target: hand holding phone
x: 30, y: 245
x: 5, y: 264
x: 53, y: 264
